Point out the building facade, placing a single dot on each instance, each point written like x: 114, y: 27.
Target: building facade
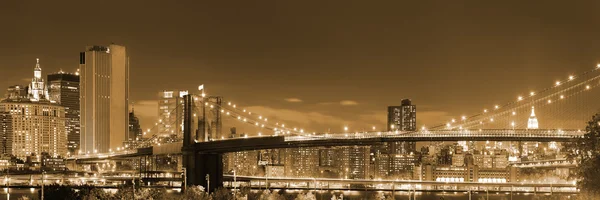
x: 33, y: 125
x: 63, y: 88
x: 170, y: 113
x: 6, y: 133
x: 104, y: 98
x: 135, y: 130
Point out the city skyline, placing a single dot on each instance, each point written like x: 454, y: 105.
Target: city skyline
x: 366, y: 58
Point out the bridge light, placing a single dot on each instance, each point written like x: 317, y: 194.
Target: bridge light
x: 491, y: 119
x: 496, y: 106
x: 266, y: 119
x: 244, y: 119
x: 484, y: 110
x: 283, y: 125
x: 557, y: 83
x: 227, y: 113
x: 448, y: 125
x: 571, y: 77
x: 256, y: 123
x: 229, y: 103
x: 598, y: 66
x: 463, y: 117
x: 259, y: 134
x: 519, y: 98
x: 562, y: 96
x: 531, y: 93
x: 514, y: 113
x: 453, y: 120
x: 346, y: 128
x: 587, y: 87
x: 549, y: 101
x: 206, y: 104
x: 233, y: 105
x: 301, y: 130
x: 373, y: 128
x: 259, y: 117
x: 203, y: 94
x: 244, y: 110
x: 222, y: 111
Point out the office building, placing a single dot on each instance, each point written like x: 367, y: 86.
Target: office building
x: 104, y: 96
x: 403, y: 117
x: 34, y: 124
x: 63, y: 88
x: 170, y: 113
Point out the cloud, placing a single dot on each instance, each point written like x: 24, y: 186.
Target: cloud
x: 293, y: 100
x: 348, y: 103
x: 309, y: 119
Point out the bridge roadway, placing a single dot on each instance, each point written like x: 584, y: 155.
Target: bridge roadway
x: 371, y: 138
x: 341, y: 139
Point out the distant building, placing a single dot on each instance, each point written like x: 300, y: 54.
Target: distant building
x: 302, y: 162
x: 104, y: 95
x: 170, y: 113
x: 38, y: 124
x: 354, y: 161
x: 403, y: 117
x: 135, y: 131
x: 532, y: 123
x: 6, y: 132
x: 63, y: 88
x: 471, y: 173
x: 16, y: 92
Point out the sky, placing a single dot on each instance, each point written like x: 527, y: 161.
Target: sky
x: 318, y: 64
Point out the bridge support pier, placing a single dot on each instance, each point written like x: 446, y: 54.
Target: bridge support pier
x: 200, y: 166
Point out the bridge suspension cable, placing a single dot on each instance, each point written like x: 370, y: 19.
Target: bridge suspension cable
x: 515, y: 113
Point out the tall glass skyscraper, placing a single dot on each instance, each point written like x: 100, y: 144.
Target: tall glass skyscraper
x: 104, y: 74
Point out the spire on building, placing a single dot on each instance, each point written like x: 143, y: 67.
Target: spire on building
x: 532, y: 123
x: 37, y: 89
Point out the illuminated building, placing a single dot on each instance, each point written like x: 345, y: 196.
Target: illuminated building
x: 38, y: 125
x: 6, y: 133
x: 104, y: 95
x: 37, y: 90
x: 470, y: 173
x: 170, y: 113
x: 402, y: 118
x: 63, y: 88
x: 16, y: 92
x: 302, y: 162
x: 353, y: 161
x: 532, y: 123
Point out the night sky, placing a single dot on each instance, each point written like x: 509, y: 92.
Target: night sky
x: 322, y: 64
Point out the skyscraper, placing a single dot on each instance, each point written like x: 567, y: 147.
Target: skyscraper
x: 63, y: 88
x: 403, y: 117
x: 170, y: 112
x: 104, y: 74
x: 532, y: 123
x: 135, y: 131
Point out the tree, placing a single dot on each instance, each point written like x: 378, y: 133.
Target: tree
x: 222, y: 193
x: 195, y: 193
x: 58, y: 192
x: 92, y: 193
x: 586, y: 153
